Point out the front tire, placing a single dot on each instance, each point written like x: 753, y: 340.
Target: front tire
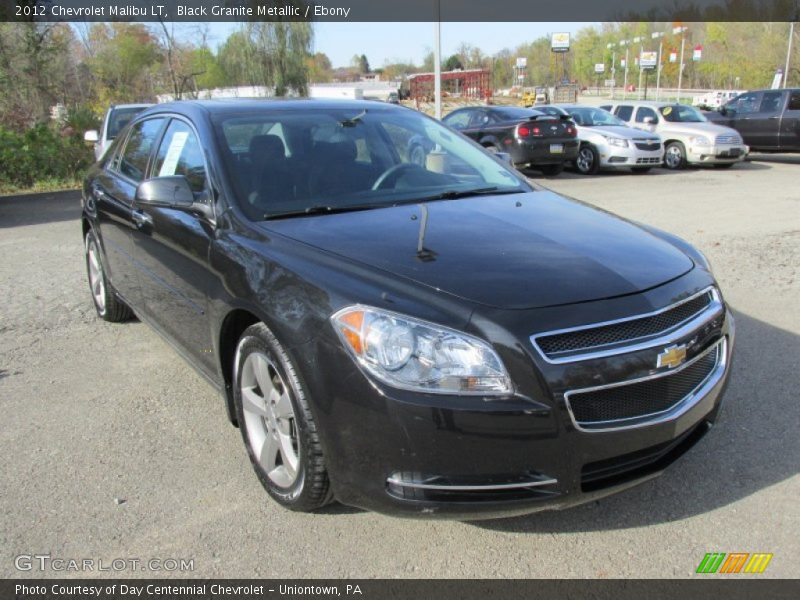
x: 587, y: 162
x: 278, y: 429
x: 675, y: 156
x: 108, y: 306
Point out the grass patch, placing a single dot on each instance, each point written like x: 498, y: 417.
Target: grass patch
x: 43, y: 185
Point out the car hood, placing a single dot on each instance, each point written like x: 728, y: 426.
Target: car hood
x: 618, y: 131
x: 696, y: 128
x: 509, y: 251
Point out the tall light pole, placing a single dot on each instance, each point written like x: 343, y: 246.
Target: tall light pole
x: 788, y: 54
x: 625, y: 81
x: 657, y: 36
x: 437, y: 65
x: 612, y: 47
x: 638, y: 40
x: 682, y: 31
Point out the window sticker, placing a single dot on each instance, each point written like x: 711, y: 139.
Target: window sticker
x: 666, y: 110
x: 176, y: 146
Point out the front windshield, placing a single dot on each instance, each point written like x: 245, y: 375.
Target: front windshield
x: 681, y: 113
x: 301, y: 160
x: 595, y: 117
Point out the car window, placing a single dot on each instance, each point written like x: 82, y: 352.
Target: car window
x: 479, y: 118
x: 135, y: 156
x: 645, y: 111
x: 794, y: 101
x: 746, y: 103
x: 682, y: 113
x: 624, y: 112
x: 180, y: 153
x: 606, y: 107
x: 771, y: 102
x: 458, y: 120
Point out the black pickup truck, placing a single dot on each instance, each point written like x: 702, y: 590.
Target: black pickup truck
x: 531, y: 137
x: 768, y: 120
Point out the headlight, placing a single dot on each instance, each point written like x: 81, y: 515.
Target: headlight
x: 700, y: 140
x: 407, y: 353
x: 615, y: 141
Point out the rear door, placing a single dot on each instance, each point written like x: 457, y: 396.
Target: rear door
x: 790, y: 124
x: 625, y: 112
x: 171, y: 246
x: 113, y: 191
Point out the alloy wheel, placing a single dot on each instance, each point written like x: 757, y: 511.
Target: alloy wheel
x: 270, y: 419
x: 97, y: 281
x: 585, y: 160
x: 673, y: 157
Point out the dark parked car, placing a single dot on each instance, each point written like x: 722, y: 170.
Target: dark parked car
x: 768, y: 120
x: 439, y: 340
x: 531, y: 137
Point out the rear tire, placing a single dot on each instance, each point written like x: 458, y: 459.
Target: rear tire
x: 551, y: 170
x: 675, y: 156
x: 587, y: 162
x: 277, y: 427
x: 108, y: 305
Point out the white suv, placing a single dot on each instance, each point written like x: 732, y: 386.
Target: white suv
x: 116, y: 118
x: 689, y: 138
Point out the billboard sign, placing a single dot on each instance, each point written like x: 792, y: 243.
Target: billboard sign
x: 673, y: 55
x: 559, y: 42
x: 600, y: 68
x: 698, y: 52
x: 648, y: 60
x: 522, y: 62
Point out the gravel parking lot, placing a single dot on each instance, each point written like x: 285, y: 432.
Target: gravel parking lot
x: 114, y: 448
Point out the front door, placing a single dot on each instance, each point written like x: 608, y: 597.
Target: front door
x: 171, y: 247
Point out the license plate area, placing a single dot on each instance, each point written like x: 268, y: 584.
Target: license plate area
x: 556, y: 148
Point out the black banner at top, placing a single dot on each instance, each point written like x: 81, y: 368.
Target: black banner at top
x: 399, y: 10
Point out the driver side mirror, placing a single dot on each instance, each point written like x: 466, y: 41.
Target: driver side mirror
x: 649, y: 121
x: 170, y: 192
x: 726, y: 111
x: 91, y: 136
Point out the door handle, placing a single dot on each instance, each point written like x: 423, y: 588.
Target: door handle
x: 141, y: 218
x: 775, y: 117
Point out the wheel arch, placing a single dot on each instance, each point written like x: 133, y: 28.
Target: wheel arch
x: 233, y: 326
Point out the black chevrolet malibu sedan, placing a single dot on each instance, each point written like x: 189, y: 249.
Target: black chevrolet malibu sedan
x: 420, y: 339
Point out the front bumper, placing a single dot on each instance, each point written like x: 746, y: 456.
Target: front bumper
x: 718, y: 154
x: 615, y: 157
x: 421, y: 455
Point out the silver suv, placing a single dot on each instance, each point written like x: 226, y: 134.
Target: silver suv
x: 116, y: 118
x: 689, y: 138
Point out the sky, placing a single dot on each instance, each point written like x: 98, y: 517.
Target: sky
x: 404, y: 42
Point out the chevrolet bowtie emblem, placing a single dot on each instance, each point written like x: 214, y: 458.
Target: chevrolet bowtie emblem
x: 671, y: 357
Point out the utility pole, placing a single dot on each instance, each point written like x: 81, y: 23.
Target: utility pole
x: 682, y: 31
x: 612, y: 47
x: 638, y: 40
x: 658, y: 35
x: 437, y: 63
x: 625, y: 81
x: 788, y: 55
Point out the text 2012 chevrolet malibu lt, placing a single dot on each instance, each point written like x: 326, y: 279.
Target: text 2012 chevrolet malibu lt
x: 422, y: 339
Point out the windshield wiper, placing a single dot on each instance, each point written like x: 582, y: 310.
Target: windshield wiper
x: 322, y: 209
x: 455, y: 194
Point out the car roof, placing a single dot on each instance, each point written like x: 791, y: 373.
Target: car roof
x: 193, y: 108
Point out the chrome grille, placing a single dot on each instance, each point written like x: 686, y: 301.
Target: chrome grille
x: 642, y: 400
x: 653, y: 160
x: 728, y: 139
x: 560, y: 346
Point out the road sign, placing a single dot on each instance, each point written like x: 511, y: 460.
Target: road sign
x: 609, y: 83
x: 600, y: 68
x: 559, y: 42
x: 522, y: 62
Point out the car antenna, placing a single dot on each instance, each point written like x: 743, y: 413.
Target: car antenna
x: 353, y: 121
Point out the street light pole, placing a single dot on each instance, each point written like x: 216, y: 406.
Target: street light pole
x: 437, y: 68
x: 625, y: 80
x: 680, y: 69
x: 659, y: 35
x: 788, y: 54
